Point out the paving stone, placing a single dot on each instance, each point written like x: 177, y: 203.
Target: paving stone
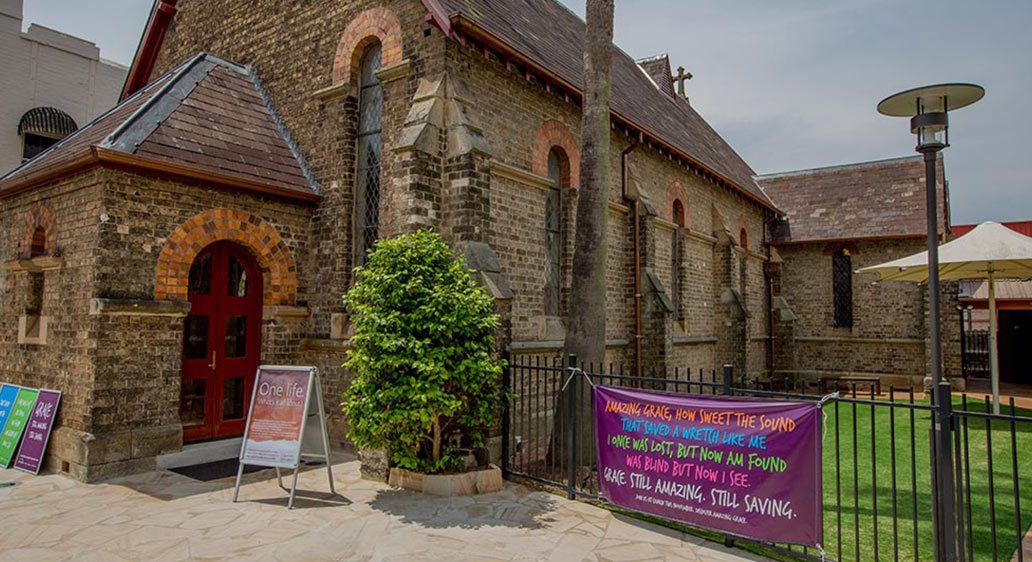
x: 162, y: 516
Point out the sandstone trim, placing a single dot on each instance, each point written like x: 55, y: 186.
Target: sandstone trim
x: 520, y: 175
x: 137, y: 307
x: 395, y: 71
x: 839, y: 339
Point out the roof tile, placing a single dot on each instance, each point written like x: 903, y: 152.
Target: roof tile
x: 882, y: 199
x: 211, y: 116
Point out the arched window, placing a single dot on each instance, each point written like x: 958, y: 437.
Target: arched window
x: 370, y: 146
x: 39, y: 242
x: 675, y: 260
x: 43, y: 127
x: 842, y: 288
x: 743, y: 238
x: 553, y: 231
x: 678, y: 213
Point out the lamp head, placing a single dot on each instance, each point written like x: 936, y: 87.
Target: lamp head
x: 927, y: 108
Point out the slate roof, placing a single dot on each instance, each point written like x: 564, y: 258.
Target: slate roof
x: 658, y: 68
x: 552, y: 36
x: 881, y: 199
x: 207, y: 115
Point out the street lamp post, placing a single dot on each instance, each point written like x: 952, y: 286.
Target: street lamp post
x: 927, y: 108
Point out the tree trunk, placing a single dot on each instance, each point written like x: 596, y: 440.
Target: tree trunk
x: 586, y: 332
x: 586, y: 326
x: 436, y: 453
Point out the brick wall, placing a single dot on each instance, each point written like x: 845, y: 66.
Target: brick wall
x: 889, y: 333
x: 522, y: 120
x: 295, y: 48
x: 65, y: 361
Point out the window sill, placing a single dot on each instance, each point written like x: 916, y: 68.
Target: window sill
x: 33, y: 265
x: 32, y: 330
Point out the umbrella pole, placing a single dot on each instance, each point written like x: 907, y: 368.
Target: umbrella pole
x: 994, y: 359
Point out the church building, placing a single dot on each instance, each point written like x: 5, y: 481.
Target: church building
x: 210, y: 222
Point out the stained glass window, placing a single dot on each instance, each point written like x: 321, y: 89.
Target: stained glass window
x: 842, y: 282
x: 370, y: 119
x: 553, y: 234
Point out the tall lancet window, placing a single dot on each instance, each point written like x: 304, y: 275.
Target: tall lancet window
x: 675, y: 260
x: 553, y: 233
x: 370, y: 147
x: 842, y: 288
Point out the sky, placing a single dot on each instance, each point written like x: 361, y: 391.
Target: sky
x: 793, y: 84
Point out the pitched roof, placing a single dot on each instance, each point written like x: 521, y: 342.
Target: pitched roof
x: 208, y: 119
x: 552, y: 36
x: 881, y: 199
x: 658, y: 69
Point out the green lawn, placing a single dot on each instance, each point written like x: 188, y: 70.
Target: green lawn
x: 865, y: 485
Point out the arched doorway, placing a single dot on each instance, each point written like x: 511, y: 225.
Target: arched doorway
x: 221, y: 342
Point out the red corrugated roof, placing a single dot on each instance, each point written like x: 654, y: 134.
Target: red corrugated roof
x: 1021, y: 227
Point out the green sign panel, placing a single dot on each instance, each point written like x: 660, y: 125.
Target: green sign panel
x: 16, y: 420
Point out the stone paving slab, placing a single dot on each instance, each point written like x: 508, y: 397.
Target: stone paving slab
x: 162, y: 516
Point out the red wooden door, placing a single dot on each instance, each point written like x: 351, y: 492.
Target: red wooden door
x: 221, y: 342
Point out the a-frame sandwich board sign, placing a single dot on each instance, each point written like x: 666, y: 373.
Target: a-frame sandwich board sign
x: 286, y: 422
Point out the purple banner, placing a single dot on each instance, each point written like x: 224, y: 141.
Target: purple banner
x: 746, y: 467
x: 37, y: 432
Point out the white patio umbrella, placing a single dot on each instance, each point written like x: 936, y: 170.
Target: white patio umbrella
x: 990, y: 251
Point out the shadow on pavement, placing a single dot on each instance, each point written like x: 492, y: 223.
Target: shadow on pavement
x: 515, y: 507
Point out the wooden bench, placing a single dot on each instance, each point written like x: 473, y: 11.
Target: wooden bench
x: 873, y: 381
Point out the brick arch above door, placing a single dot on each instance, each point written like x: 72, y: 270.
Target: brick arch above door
x: 279, y: 270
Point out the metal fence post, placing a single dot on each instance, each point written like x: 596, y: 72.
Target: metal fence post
x: 506, y: 421
x: 729, y: 371
x: 571, y: 428
x: 942, y: 471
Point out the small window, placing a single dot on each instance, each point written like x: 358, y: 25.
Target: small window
x: 34, y: 144
x: 678, y: 213
x: 39, y: 242
x: 743, y: 238
x: 842, y: 288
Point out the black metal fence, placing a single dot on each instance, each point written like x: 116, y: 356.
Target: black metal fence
x: 881, y: 458
x: 974, y: 353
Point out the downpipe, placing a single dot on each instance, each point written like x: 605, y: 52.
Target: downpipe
x: 636, y: 236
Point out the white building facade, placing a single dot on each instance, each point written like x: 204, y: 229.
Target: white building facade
x: 51, y: 83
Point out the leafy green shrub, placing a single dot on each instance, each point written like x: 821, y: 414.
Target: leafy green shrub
x: 426, y: 384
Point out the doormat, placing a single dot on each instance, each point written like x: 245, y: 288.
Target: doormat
x: 215, y: 470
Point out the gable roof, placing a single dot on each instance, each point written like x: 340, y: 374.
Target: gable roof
x: 658, y: 69
x: 881, y: 199
x: 552, y: 36
x: 208, y: 120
